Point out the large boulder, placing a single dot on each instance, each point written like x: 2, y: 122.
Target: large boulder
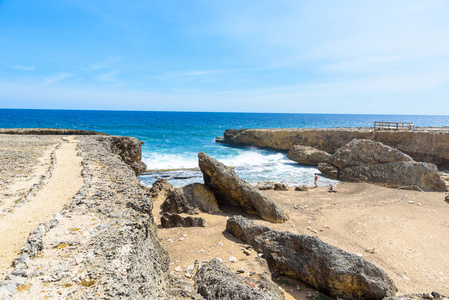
x: 161, y: 189
x: 176, y: 203
x: 200, y: 196
x: 130, y: 150
x: 328, y: 170
x: 360, y: 152
x: 308, y: 155
x: 174, y: 220
x: 229, y: 188
x: 373, y: 162
x: 215, y: 280
x: 327, y: 268
x: 189, y: 199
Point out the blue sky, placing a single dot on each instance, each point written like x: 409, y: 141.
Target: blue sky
x: 379, y: 56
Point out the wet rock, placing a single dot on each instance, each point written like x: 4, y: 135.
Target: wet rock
x: 174, y: 220
x: 161, y: 189
x: 325, y: 267
x: 280, y: 187
x: 216, y: 281
x: 301, y: 188
x: 308, y: 155
x: 229, y: 188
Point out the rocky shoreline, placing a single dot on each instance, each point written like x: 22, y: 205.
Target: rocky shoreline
x: 104, y: 243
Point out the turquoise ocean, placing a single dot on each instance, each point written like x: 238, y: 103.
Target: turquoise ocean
x: 173, y: 139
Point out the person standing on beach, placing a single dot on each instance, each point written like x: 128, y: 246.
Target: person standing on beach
x: 315, y: 181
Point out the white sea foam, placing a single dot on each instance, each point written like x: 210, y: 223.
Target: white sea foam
x: 252, y: 165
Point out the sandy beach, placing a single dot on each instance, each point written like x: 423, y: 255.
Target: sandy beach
x: 403, y: 232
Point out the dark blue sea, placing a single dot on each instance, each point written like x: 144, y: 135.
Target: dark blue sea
x: 173, y: 139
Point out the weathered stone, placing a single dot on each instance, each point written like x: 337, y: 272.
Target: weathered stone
x: 446, y: 198
x: 308, y: 155
x: 129, y: 149
x: 216, y: 281
x: 359, y: 152
x: 174, y: 220
x: 328, y: 170
x: 397, y: 174
x: 200, y: 196
x: 161, y: 189
x: 189, y: 199
x: 301, y: 188
x: 325, y: 267
x: 373, y: 162
x: 229, y: 188
x: 244, y: 229
x: 424, y: 144
x: 177, y: 203
x: 280, y: 187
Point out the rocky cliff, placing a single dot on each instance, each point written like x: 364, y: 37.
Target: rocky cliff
x: 424, y: 144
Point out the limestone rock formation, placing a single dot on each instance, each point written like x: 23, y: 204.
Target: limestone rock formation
x: 174, y: 220
x: 373, y: 162
x: 359, y: 152
x: 177, y: 203
x: 328, y: 170
x: 161, y: 189
x: 215, y: 280
x: 308, y: 155
x: 229, y: 188
x: 323, y: 266
x: 129, y: 149
x: 189, y: 199
x: 280, y: 187
x: 426, y: 144
x: 200, y: 196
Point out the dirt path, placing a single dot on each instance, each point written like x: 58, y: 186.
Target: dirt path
x: 65, y: 182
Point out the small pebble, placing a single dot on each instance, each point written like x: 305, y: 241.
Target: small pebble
x: 232, y: 259
x: 178, y: 269
x: 220, y: 244
x: 240, y: 271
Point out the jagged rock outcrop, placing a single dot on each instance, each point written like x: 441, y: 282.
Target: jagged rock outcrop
x: 215, y: 280
x: 423, y: 144
x: 329, y: 269
x: 129, y: 149
x: 329, y: 170
x: 200, y: 196
x: 161, y: 189
x: 176, y: 203
x: 229, y: 188
x: 108, y: 231
x: 189, y: 199
x: 308, y: 155
x: 373, y: 162
x: 174, y: 220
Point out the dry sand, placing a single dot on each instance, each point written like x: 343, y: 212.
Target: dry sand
x: 406, y: 233
x: 20, y: 220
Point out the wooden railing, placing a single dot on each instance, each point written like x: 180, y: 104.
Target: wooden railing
x: 393, y: 126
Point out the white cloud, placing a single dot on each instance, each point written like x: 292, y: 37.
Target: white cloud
x: 55, y: 78
x: 23, y: 68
